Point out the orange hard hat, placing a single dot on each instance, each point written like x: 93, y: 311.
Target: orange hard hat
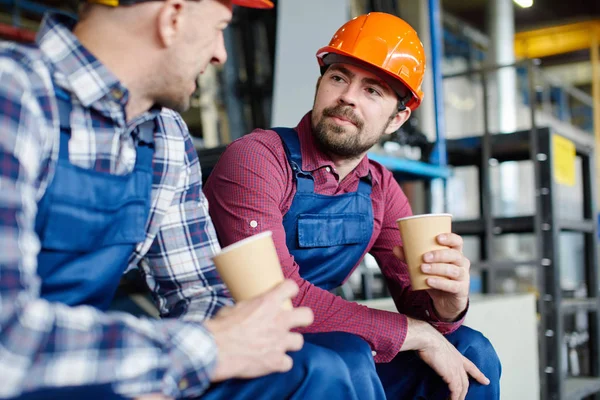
x: 385, y: 43
x: 243, y: 3
x: 254, y: 3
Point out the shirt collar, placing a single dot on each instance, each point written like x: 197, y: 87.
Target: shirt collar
x: 77, y: 70
x: 312, y: 156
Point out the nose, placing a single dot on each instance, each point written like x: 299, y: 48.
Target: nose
x: 349, y: 96
x: 220, y: 54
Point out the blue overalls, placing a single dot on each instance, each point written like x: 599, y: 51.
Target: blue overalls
x: 328, y: 235
x: 89, y: 223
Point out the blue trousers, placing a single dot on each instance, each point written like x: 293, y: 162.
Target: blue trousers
x: 407, y: 376
x: 318, y: 373
x: 339, y: 366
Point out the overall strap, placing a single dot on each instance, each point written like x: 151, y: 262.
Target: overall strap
x: 63, y: 100
x: 291, y: 144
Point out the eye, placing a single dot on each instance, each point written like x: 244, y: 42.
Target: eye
x: 337, y: 78
x: 373, y: 91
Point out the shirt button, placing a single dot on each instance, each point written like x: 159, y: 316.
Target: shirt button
x: 374, y: 353
x: 117, y: 93
x: 184, y: 384
x: 253, y: 224
x: 328, y: 169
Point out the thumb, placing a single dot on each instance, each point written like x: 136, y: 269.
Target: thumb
x: 399, y: 253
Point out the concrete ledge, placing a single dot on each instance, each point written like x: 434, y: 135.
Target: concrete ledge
x: 510, y: 323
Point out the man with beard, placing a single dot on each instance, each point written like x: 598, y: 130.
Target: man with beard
x: 328, y: 204
x: 97, y: 177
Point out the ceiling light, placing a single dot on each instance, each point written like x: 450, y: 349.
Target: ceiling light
x: 524, y: 3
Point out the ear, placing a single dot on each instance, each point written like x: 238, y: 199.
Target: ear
x: 170, y: 21
x: 397, y: 121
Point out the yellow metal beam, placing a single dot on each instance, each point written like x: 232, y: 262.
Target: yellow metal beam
x: 554, y: 40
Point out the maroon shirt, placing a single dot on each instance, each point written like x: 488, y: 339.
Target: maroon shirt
x: 252, y: 188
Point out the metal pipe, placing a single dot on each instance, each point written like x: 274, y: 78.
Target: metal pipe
x: 435, y: 27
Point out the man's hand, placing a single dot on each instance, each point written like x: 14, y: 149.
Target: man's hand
x: 450, y: 296
x: 442, y: 357
x: 253, y: 336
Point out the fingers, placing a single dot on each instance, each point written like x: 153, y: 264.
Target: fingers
x: 456, y: 388
x: 459, y: 386
x: 445, y: 256
x: 286, y: 290
x: 451, y: 240
x: 474, y: 372
x: 399, y: 253
x: 297, y: 317
x: 465, y: 385
x: 446, y: 285
x: 450, y: 271
x: 295, y: 341
x: 285, y: 364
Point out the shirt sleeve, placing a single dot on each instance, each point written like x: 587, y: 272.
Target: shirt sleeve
x: 416, y: 304
x: 50, y: 345
x: 179, y: 268
x: 246, y: 191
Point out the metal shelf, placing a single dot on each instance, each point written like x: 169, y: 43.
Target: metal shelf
x: 509, y: 147
x: 522, y: 224
x: 582, y: 226
x: 569, y: 306
x: 537, y: 146
x: 503, y: 265
x: 578, y: 388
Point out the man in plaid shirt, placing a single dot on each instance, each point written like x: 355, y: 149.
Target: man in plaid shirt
x: 96, y: 177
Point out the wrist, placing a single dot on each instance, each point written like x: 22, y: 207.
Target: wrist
x: 222, y: 368
x: 444, y: 314
x: 419, y: 335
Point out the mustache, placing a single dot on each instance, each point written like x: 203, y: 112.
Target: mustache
x: 345, y: 112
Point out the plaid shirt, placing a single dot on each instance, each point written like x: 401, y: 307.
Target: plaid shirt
x: 252, y: 188
x: 44, y: 344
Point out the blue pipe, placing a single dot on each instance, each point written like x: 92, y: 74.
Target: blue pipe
x: 435, y: 27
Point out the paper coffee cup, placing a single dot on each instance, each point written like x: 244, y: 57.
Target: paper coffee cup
x: 250, y: 267
x: 419, y: 234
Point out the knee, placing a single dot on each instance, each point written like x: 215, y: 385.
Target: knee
x: 318, y: 366
x: 353, y: 350
x: 347, y: 343
x: 477, y: 348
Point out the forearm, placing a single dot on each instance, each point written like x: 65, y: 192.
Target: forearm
x: 55, y: 345
x: 178, y: 264
x: 384, y: 331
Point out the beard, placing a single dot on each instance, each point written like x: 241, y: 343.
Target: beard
x: 335, y: 139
